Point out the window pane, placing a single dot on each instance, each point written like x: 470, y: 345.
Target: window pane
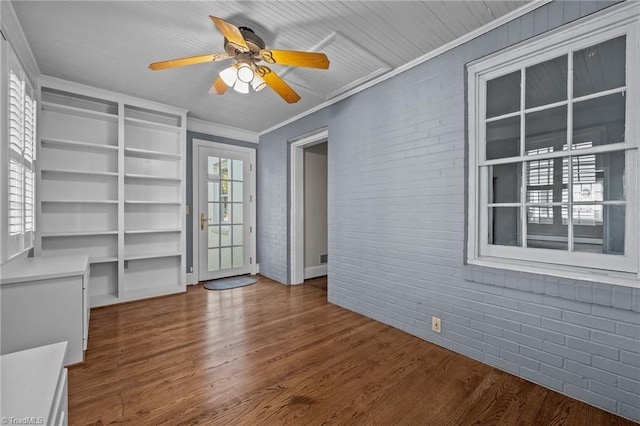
x: 214, y: 236
x: 505, y: 183
x: 546, y: 131
x: 225, y: 212
x: 546, y: 227
x: 225, y: 235
x: 546, y: 83
x: 225, y: 188
x: 237, y: 170
x: 238, y: 238
x: 225, y: 258
x: 545, y: 181
x: 225, y: 164
x: 214, y: 213
x: 213, y: 259
x: 504, y: 229
x: 600, y: 67
x: 237, y: 191
x: 213, y: 166
x: 599, y: 121
x: 238, y: 257
x: 237, y: 213
x: 503, y: 138
x: 599, y: 229
x: 503, y: 95
x: 598, y: 177
x: 212, y: 191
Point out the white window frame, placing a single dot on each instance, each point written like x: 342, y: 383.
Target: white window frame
x: 622, y: 20
x: 19, y: 238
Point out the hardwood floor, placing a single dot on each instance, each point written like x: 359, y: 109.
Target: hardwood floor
x: 269, y: 354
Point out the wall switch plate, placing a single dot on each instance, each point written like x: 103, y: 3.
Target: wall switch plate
x: 435, y: 324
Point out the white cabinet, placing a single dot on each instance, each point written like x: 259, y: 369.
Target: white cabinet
x: 34, y: 386
x: 44, y: 300
x: 112, y: 185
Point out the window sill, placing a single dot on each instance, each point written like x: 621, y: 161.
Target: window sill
x: 575, y: 273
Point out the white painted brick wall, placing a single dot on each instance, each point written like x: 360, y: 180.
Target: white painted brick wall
x: 397, y: 234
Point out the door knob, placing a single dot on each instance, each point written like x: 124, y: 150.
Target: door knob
x: 202, y: 221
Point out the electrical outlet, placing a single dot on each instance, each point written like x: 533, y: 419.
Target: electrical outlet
x: 435, y: 324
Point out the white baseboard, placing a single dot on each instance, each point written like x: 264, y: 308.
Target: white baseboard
x: 191, y: 279
x: 315, y: 271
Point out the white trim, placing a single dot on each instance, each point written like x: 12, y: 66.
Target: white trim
x: 582, y: 274
x: 12, y: 30
x: 315, y: 271
x: 621, y: 20
x: 215, y: 129
x: 195, y: 168
x: 297, y: 202
x: 191, y: 279
x: 430, y: 55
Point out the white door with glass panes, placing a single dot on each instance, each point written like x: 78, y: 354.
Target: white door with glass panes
x: 224, y: 213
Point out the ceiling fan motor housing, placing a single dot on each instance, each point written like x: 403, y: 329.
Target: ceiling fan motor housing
x: 254, y: 42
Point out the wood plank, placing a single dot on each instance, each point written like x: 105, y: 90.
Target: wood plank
x: 272, y: 354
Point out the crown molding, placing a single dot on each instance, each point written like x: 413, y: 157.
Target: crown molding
x: 430, y: 55
x: 215, y: 129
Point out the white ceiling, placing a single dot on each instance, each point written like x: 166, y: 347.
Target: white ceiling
x: 109, y: 44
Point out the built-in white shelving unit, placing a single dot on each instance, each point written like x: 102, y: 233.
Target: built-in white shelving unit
x: 112, y: 185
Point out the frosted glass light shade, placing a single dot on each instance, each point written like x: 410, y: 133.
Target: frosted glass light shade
x: 258, y: 83
x: 245, y: 73
x: 229, y: 75
x: 241, y: 86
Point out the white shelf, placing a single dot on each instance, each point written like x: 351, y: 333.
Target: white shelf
x: 152, y: 231
x: 78, y: 172
x: 82, y: 112
x: 76, y: 233
x: 151, y: 203
x: 152, y: 255
x: 105, y: 259
x: 146, y: 153
x: 64, y: 143
x: 81, y: 201
x: 152, y: 124
x: 93, y: 170
x: 152, y: 177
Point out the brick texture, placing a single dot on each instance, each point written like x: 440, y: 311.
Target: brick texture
x: 397, y: 223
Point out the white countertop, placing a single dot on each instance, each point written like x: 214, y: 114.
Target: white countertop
x: 29, y: 381
x: 43, y: 268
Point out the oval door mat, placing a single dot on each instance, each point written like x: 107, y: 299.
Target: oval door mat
x: 227, y: 283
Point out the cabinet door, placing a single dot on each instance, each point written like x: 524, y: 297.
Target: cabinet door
x: 42, y: 312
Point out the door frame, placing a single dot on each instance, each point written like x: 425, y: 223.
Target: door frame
x: 195, y: 157
x: 296, y: 242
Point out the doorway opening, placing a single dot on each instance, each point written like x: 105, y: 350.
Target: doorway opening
x: 309, y: 242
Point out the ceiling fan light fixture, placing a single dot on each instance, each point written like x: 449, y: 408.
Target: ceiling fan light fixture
x: 245, y: 73
x: 229, y: 75
x: 241, y: 87
x: 258, y: 83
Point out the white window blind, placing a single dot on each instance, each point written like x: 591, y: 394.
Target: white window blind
x: 21, y: 120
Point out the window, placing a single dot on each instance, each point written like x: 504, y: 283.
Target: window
x: 553, y: 150
x: 21, y: 136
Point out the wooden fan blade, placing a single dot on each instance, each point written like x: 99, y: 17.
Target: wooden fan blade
x: 231, y: 32
x: 191, y: 60
x: 298, y: 59
x: 218, y: 87
x: 278, y: 85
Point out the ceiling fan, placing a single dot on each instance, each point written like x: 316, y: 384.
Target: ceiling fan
x: 249, y: 50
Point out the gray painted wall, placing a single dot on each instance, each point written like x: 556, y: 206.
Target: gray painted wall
x: 202, y: 136
x: 397, y: 234
x: 315, y: 204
